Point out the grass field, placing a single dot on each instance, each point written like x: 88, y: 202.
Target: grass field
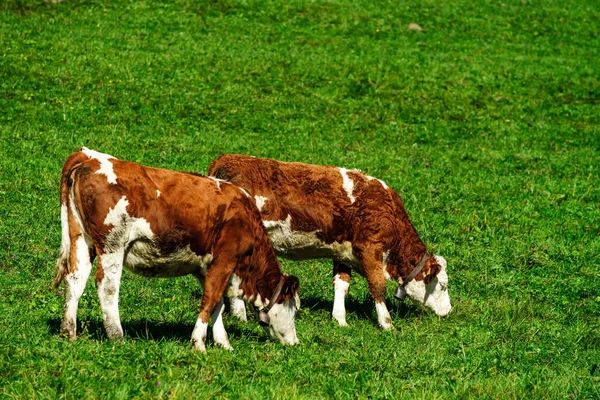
x: 486, y: 122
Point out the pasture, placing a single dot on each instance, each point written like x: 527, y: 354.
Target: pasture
x: 486, y: 121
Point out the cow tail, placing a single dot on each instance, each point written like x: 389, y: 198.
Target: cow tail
x: 66, y: 182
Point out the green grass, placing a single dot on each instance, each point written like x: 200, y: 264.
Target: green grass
x: 486, y: 122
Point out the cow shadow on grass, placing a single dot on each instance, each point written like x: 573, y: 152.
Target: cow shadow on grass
x: 363, y: 308
x: 158, y: 331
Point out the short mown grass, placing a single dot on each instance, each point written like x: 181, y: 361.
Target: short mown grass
x: 486, y: 122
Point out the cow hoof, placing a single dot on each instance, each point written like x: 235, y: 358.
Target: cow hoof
x: 388, y: 327
x: 198, y: 346
x: 226, y: 346
x: 342, y: 322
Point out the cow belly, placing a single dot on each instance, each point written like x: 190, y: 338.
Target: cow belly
x: 300, y: 245
x: 145, y: 259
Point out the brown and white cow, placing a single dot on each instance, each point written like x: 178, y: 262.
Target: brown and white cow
x: 161, y: 223
x: 358, y: 221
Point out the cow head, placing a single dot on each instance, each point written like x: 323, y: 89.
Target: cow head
x: 432, y: 291
x: 282, y: 313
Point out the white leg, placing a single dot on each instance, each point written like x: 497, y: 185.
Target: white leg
x: 74, y: 285
x: 219, y: 333
x: 339, y: 307
x: 383, y: 316
x: 238, y: 308
x: 199, y: 335
x: 108, y: 292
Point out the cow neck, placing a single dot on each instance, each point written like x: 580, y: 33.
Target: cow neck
x: 413, y: 274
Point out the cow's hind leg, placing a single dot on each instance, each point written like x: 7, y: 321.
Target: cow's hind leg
x: 80, y: 265
x: 108, y: 282
x: 341, y: 283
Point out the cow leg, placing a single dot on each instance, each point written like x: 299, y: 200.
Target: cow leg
x: 372, y: 263
x: 237, y: 306
x: 108, y: 282
x: 80, y: 265
x: 341, y: 283
x: 215, y: 283
x: 219, y: 333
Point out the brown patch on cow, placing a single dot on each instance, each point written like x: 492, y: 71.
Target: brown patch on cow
x: 190, y: 212
x: 315, y: 198
x: 430, y: 270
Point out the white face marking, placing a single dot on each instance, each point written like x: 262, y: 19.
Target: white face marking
x: 281, y: 324
x: 300, y: 245
x: 348, y: 184
x: 260, y: 201
x: 106, y: 166
x: 383, y: 316
x: 435, y: 294
x: 199, y: 335
x: 157, y: 193
x: 339, y: 308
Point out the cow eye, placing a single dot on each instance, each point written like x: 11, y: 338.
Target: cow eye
x: 444, y: 286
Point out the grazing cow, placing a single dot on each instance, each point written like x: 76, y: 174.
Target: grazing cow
x: 358, y: 221
x: 161, y: 223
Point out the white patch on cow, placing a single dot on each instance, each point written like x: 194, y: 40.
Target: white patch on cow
x: 300, y: 245
x: 106, y: 166
x: 339, y: 308
x: 74, y: 286
x: 433, y: 295
x: 65, y: 243
x: 370, y: 178
x: 257, y: 301
x: 157, y: 193
x: 384, y: 262
x: 281, y: 324
x: 383, y: 316
x: 236, y: 304
x: 218, y: 181
x: 199, y: 336
x: 143, y: 256
x: 219, y: 332
x: 348, y: 184
x: 260, y: 202
x: 245, y: 192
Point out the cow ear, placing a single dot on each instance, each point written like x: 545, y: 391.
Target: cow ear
x: 290, y: 287
x: 432, y: 268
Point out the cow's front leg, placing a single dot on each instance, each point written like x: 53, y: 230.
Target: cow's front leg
x: 237, y: 306
x: 373, y: 265
x: 215, y: 283
x: 80, y: 265
x: 341, y: 283
x: 108, y: 282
